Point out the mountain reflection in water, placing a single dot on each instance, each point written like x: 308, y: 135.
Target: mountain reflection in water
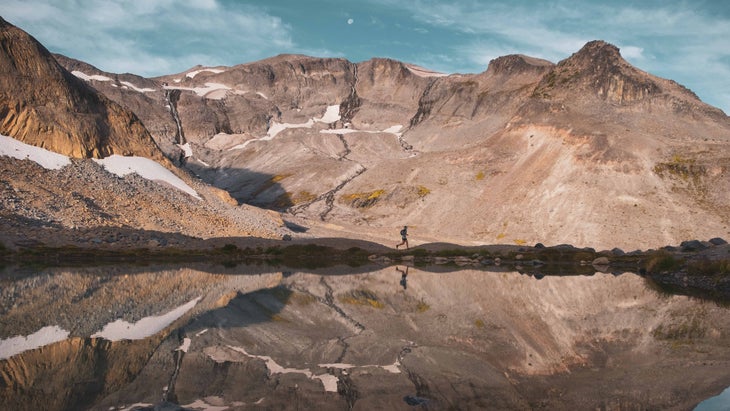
x: 390, y: 338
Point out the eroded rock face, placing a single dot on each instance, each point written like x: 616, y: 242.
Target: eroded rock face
x: 43, y: 104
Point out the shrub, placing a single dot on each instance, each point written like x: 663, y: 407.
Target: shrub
x: 364, y: 199
x: 229, y: 248
x: 663, y: 261
x: 362, y: 297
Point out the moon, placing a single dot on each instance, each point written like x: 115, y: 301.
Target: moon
x: 350, y: 21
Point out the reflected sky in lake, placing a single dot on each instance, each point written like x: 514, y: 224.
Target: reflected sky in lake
x: 380, y: 337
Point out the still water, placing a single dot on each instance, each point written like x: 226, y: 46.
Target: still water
x: 258, y: 337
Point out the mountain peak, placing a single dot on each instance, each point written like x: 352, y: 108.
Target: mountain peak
x: 599, y: 50
x: 42, y: 104
x: 598, y: 69
x: 516, y: 64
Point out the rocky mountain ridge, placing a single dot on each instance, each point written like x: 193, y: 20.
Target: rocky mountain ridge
x: 589, y: 151
x: 46, y: 106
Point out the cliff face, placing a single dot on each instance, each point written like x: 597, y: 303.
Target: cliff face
x: 44, y: 105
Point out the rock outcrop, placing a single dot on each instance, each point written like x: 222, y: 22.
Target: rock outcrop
x: 43, y: 104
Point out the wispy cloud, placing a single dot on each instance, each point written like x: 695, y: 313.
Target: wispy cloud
x: 151, y: 37
x: 672, y: 39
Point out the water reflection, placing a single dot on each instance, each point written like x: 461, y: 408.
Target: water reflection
x: 258, y: 337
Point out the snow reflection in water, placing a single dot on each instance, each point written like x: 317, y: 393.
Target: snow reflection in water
x: 252, y: 336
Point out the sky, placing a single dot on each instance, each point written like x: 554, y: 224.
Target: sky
x: 683, y: 40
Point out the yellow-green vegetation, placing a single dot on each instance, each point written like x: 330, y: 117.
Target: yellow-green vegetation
x: 303, y: 196
x: 663, y: 261
x: 275, y: 179
x: 363, y: 199
x: 278, y: 318
x: 284, y: 200
x: 519, y: 241
x: 423, y: 191
x: 681, y: 167
x: 422, y: 306
x: 717, y: 268
x: 479, y: 323
x: 501, y: 236
x: 684, y: 330
x: 361, y: 297
x: 480, y: 176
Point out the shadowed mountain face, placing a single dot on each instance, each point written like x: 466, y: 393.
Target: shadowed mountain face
x: 588, y: 151
x: 44, y: 105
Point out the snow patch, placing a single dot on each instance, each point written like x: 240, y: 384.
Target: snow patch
x: 146, y: 168
x: 148, y: 326
x: 186, y: 149
x: 212, y: 91
x: 422, y: 72
x: 192, y: 74
x: 331, y: 114
x: 84, y: 76
x: 137, y: 89
x: 11, y: 147
x: 328, y: 381
x: 395, y: 130
x: 46, y: 335
x: 185, y: 346
x: 134, y: 406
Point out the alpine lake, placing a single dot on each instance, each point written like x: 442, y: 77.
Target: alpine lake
x: 398, y: 332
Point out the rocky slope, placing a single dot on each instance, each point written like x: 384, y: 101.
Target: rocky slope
x: 589, y: 151
x: 42, y: 104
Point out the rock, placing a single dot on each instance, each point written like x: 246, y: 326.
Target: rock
x: 463, y: 261
x: 692, y: 245
x: 717, y: 241
x: 286, y: 237
x: 539, y: 245
x: 601, y: 261
x: 617, y: 251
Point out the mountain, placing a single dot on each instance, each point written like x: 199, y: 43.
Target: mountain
x: 44, y: 105
x: 589, y: 151
x: 85, y: 202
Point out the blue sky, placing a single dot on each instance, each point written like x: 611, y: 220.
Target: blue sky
x: 686, y: 41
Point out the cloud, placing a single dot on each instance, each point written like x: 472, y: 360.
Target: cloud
x: 152, y: 37
x: 350, y: 21
x: 684, y: 41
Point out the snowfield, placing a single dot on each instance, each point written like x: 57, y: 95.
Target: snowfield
x: 119, y: 165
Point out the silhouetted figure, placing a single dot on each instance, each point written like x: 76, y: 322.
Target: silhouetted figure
x: 404, y: 237
x: 403, y: 276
